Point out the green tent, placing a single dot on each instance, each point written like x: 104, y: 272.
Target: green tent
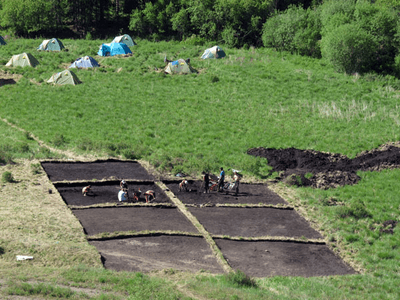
x: 64, y: 77
x: 2, y: 41
x: 179, y: 66
x: 22, y: 60
x: 126, y: 39
x: 53, y: 44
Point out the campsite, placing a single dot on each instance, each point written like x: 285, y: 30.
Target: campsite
x: 129, y: 110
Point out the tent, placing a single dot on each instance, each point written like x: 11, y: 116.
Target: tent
x: 53, y: 44
x: 113, y: 49
x: 85, y: 62
x: 126, y: 39
x: 22, y: 60
x: 2, y: 41
x: 214, y: 52
x: 179, y: 66
x: 64, y: 77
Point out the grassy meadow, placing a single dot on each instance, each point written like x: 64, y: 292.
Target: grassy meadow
x: 129, y: 108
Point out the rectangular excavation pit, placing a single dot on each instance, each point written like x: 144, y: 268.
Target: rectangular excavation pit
x: 99, y: 170
x: 279, y: 258
x: 248, y: 194
x: 254, y: 222
x: 148, y: 253
x: 134, y: 218
x: 106, y: 192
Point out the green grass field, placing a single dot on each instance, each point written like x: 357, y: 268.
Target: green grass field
x: 128, y: 108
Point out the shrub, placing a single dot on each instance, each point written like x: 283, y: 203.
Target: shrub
x: 356, y: 209
x: 296, y: 30
x: 5, y: 158
x: 349, y: 48
x: 239, y: 278
x: 7, y: 177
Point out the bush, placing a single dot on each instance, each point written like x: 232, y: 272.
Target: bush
x: 239, y: 278
x: 356, y: 209
x: 296, y: 30
x: 349, y: 48
x: 58, y: 140
x: 7, y: 177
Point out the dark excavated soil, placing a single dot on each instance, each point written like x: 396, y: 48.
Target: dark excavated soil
x: 248, y: 194
x: 98, y: 220
x: 99, y: 170
x: 253, y: 222
x: 274, y: 258
x: 106, y: 192
x: 155, y: 252
x: 326, y: 170
x: 150, y: 253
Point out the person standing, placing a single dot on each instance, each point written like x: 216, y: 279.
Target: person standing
x: 206, y: 182
x: 236, y: 179
x: 221, y: 180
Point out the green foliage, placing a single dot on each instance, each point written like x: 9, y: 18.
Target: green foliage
x: 296, y: 30
x: 58, y: 140
x: 350, y: 48
x: 24, y: 16
x: 7, y: 177
x: 239, y: 278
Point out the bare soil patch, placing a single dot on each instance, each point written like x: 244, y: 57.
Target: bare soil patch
x: 106, y: 192
x: 99, y: 170
x: 248, y: 194
x: 275, y: 258
x: 326, y: 170
x: 254, y: 222
x: 149, y: 253
x: 98, y: 220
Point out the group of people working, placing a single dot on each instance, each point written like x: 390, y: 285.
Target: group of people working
x: 123, y: 194
x: 221, y: 181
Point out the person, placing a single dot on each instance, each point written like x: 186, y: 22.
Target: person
x: 150, y: 195
x: 136, y: 195
x: 123, y: 185
x: 221, y: 180
x: 122, y: 195
x: 206, y: 182
x: 236, y: 179
x: 183, y: 185
x: 85, y: 190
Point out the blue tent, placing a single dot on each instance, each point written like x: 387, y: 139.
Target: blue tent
x: 85, y: 62
x: 113, y: 49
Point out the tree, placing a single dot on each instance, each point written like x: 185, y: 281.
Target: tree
x: 25, y: 16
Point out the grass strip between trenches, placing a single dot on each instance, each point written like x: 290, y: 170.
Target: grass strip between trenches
x: 214, y: 248
x: 127, y: 234
x: 268, y: 238
x: 108, y: 205
x: 243, y: 205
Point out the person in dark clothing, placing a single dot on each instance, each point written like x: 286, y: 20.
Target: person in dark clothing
x: 221, y: 180
x: 206, y: 182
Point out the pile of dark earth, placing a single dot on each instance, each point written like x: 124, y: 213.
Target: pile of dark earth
x: 326, y: 170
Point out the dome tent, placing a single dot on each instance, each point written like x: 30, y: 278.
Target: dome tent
x: 64, y: 77
x: 85, y: 62
x: 214, y: 52
x: 22, y: 60
x: 53, y: 44
x: 126, y: 39
x: 113, y: 49
x: 179, y: 66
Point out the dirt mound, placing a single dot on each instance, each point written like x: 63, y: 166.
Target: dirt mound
x: 326, y: 170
